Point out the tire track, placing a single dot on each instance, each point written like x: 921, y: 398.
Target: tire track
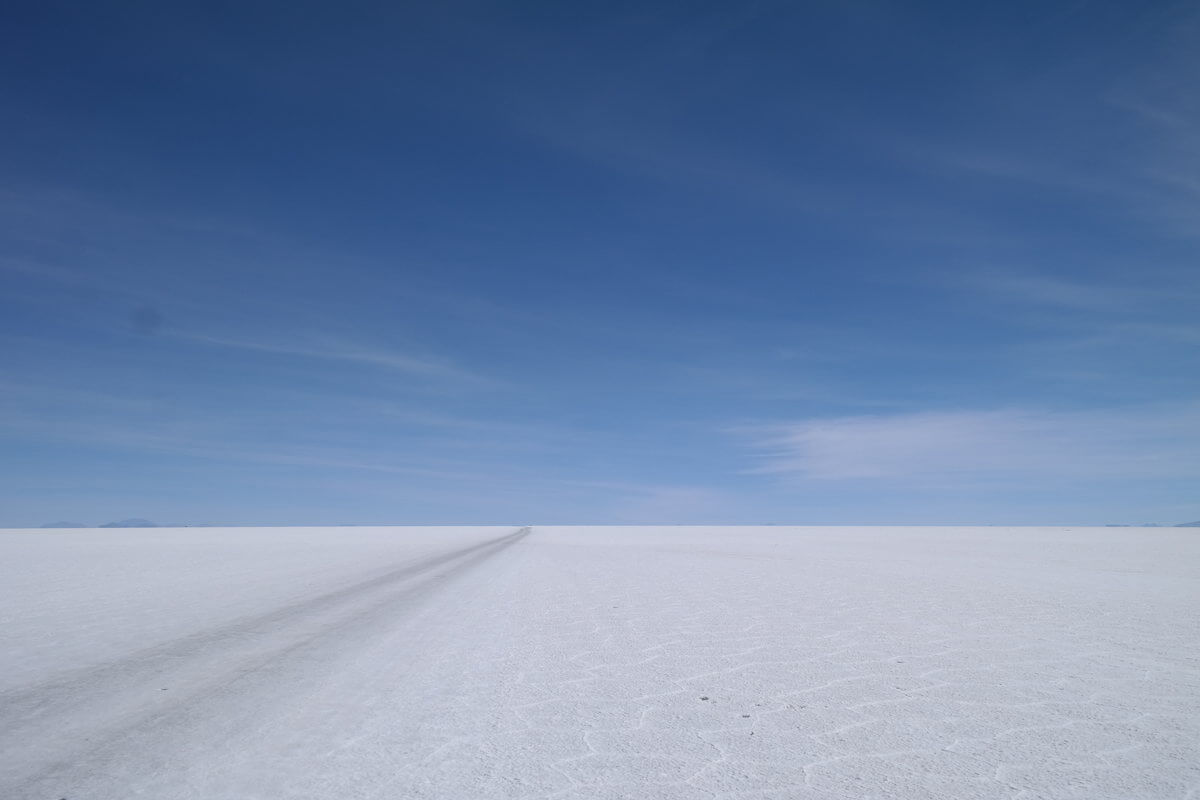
x: 57, y: 724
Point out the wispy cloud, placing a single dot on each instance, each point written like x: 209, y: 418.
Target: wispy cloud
x: 1161, y: 96
x: 952, y: 447
x: 219, y: 440
x: 1121, y: 139
x: 39, y: 270
x: 1057, y: 292
x: 333, y: 350
x: 1159, y: 296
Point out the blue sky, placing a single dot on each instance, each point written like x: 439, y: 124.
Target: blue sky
x: 827, y: 263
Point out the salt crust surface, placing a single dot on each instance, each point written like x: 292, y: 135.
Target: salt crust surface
x: 589, y: 662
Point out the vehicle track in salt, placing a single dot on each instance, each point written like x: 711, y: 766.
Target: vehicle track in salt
x: 67, y: 722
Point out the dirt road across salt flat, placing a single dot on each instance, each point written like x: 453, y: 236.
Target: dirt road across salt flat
x: 600, y: 663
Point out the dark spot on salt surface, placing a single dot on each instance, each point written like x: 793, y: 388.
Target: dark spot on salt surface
x: 745, y: 716
x: 703, y: 698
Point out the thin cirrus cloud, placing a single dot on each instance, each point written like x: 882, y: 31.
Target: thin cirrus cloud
x: 1060, y: 293
x: 1164, y: 293
x: 347, y: 353
x: 1013, y: 445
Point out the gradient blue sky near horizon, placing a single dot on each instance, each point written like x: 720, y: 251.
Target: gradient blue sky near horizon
x: 812, y: 263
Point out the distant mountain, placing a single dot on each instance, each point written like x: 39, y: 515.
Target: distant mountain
x: 1188, y: 525
x: 130, y: 523
x: 64, y: 525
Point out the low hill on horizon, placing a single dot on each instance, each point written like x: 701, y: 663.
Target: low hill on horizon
x: 134, y: 522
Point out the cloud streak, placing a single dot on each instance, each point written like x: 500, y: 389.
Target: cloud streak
x: 1066, y: 294
x: 1005, y: 445
x: 348, y: 353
